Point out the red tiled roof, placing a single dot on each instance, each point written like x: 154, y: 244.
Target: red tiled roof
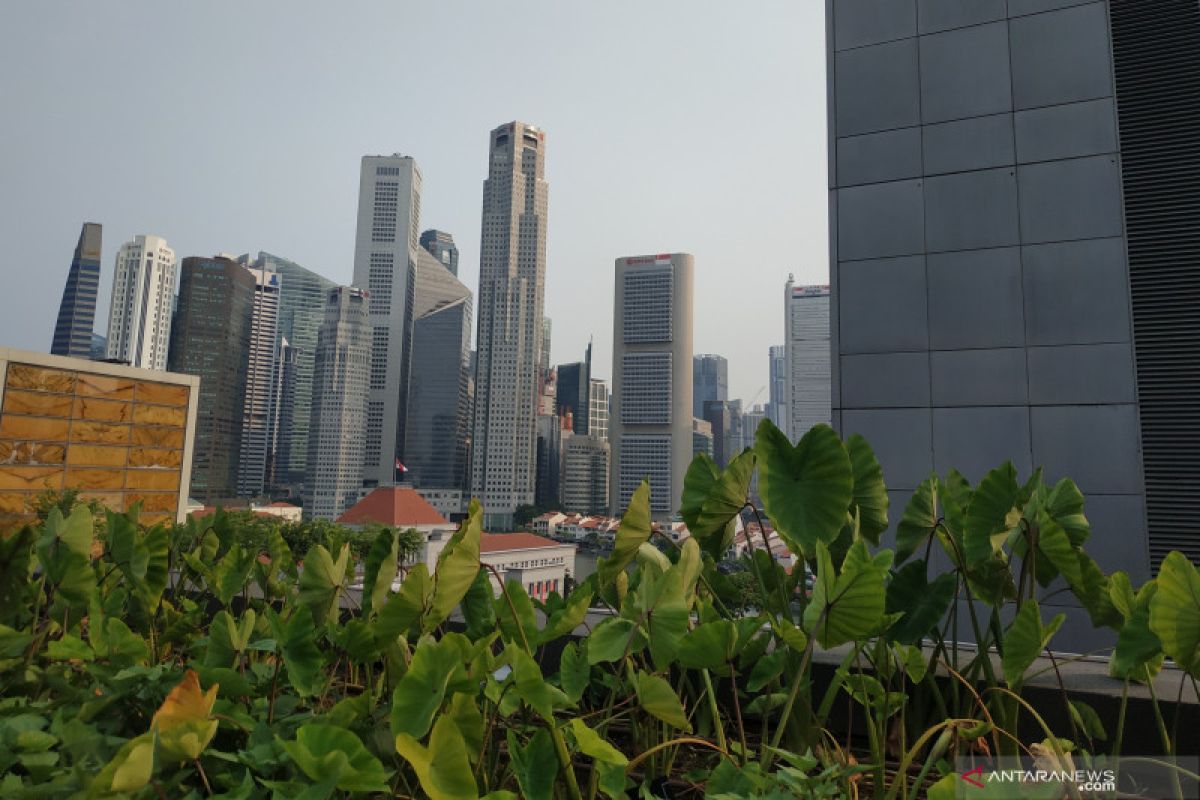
x: 281, y: 504
x: 397, y: 506
x: 500, y: 542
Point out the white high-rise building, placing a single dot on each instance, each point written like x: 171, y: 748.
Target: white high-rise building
x: 512, y: 281
x: 650, y: 427
x: 807, y: 363
x: 585, y: 475
x: 261, y: 378
x: 597, y: 419
x: 385, y: 263
x: 143, y: 296
x: 777, y: 368
x: 337, y: 431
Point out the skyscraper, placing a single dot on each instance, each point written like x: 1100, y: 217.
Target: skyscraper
x: 777, y: 369
x: 143, y: 295
x: 439, y: 432
x: 302, y: 300
x: 512, y: 280
x: 385, y: 263
x: 262, y: 377
x: 341, y: 383
x: 585, y: 475
x: 210, y: 338
x: 442, y: 247
x: 77, y: 311
x: 710, y: 381
x: 719, y: 415
x: 806, y: 315
x: 572, y: 390
x: 650, y: 430
x: 597, y: 416
x: 1014, y: 252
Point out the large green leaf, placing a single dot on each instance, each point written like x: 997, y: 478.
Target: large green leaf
x: 1138, y: 648
x: 712, y: 499
x: 806, y: 489
x: 129, y: 770
x: 1055, y: 546
x: 64, y: 551
x: 297, y: 642
x: 457, y: 566
x: 574, y: 671
x: 594, y: 745
x: 922, y: 602
x: 227, y: 640
x: 992, y: 513
x: 870, y: 492
x: 324, y: 750
x: 521, y: 627
x: 379, y: 571
x: 15, y: 555
x: 535, y: 764
x: 1175, y: 612
x: 1024, y: 641
x: 1064, y: 504
x: 403, y: 610
x: 532, y: 687
x: 322, y: 580
x: 666, y: 611
x: 444, y: 768
x: 849, y: 606
x: 612, y: 638
x: 1093, y: 593
x: 571, y: 614
x: 632, y: 533
x: 710, y: 645
x: 919, y: 520
x: 435, y: 671
x: 478, y: 606
x: 659, y: 700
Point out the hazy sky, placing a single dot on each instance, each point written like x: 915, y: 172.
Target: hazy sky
x: 237, y: 126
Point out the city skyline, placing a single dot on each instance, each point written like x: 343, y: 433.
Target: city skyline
x: 305, y: 171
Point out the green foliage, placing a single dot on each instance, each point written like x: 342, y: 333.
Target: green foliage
x: 247, y: 658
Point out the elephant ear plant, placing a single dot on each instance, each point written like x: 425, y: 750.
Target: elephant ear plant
x: 203, y: 660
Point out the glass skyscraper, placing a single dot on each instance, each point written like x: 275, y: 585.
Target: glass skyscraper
x: 77, y: 312
x: 441, y: 246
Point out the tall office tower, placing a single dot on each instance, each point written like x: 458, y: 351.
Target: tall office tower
x: 806, y: 315
x: 650, y: 428
x: 512, y: 282
x: 262, y: 377
x: 1014, y: 252
x: 438, y: 426
x: 572, y: 391
x: 77, y: 311
x: 702, y: 437
x: 719, y: 415
x: 710, y: 381
x: 552, y: 431
x: 442, y: 247
x: 341, y: 385
x: 585, y: 475
x: 211, y: 338
x: 385, y: 263
x: 777, y: 404
x: 302, y: 299
x: 143, y: 297
x: 749, y: 426
x: 544, y: 359
x: 597, y: 415
x: 281, y: 414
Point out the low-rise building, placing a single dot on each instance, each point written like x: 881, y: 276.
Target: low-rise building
x: 540, y: 565
x: 285, y: 511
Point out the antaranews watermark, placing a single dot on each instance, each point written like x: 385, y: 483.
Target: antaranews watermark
x: 1046, y: 776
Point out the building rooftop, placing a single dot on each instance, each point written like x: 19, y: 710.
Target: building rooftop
x: 503, y: 542
x: 398, y: 506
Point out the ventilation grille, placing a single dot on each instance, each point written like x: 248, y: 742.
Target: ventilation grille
x: 1156, y: 53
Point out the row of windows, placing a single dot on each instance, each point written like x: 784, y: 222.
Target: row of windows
x: 646, y: 313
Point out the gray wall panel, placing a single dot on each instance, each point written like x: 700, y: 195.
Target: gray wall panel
x: 877, y: 88
x: 1077, y: 292
x: 881, y: 305
x: 880, y: 220
x: 964, y: 73
x: 901, y: 441
x: 1075, y: 199
x: 1097, y: 446
x: 885, y: 380
x: 1061, y: 57
x: 976, y: 440
x: 979, y: 377
x: 1118, y: 540
x: 1089, y: 373
x: 940, y: 15
x: 861, y: 22
x: 976, y: 143
x: 1066, y: 131
x: 971, y: 210
x: 975, y: 299
x: 879, y: 157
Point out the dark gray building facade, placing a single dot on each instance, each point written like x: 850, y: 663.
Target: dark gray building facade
x: 574, y: 391
x: 441, y: 246
x: 710, y: 381
x: 77, y: 311
x: 1015, y: 217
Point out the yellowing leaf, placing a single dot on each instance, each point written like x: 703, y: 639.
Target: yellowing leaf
x: 183, y: 722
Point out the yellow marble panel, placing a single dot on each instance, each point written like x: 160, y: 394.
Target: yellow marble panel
x: 40, y: 379
x: 30, y: 478
x: 90, y: 455
x: 103, y: 479
x: 113, y: 500
x: 156, y: 519
x: 163, y: 393
x: 90, y: 408
x: 42, y: 429
x: 159, y: 415
x: 152, y: 457
x: 104, y: 386
x: 99, y: 433
x: 153, y: 480
x: 16, y: 502
x: 34, y: 453
x: 6, y: 452
x: 38, y: 404
x: 152, y: 501
x: 158, y: 437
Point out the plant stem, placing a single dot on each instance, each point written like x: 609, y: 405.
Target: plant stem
x: 564, y: 758
x: 791, y: 701
x: 716, y: 712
